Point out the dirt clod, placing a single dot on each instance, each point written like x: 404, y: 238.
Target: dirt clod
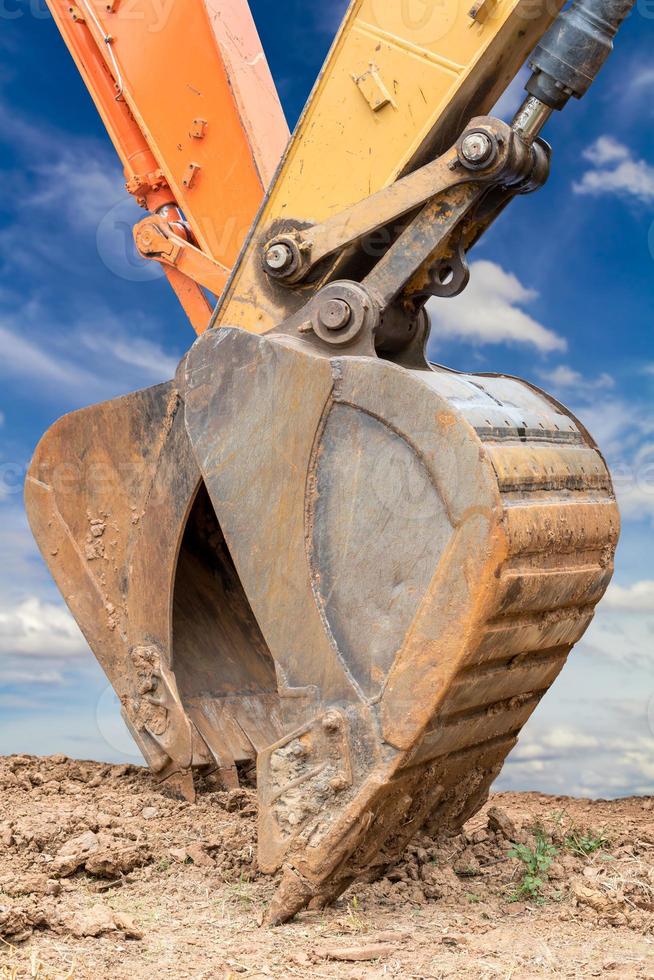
x: 198, y: 854
x: 73, y: 854
x: 100, y: 920
x: 116, y: 860
x: 500, y: 822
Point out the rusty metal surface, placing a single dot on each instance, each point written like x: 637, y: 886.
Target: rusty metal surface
x: 435, y: 214
x: 511, y: 162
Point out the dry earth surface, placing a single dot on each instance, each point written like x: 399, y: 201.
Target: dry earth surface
x: 102, y: 876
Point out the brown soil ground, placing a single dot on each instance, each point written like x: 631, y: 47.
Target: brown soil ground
x: 102, y: 876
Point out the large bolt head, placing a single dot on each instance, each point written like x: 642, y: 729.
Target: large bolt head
x: 335, y: 314
x: 278, y: 257
x: 476, y: 147
x: 145, y: 238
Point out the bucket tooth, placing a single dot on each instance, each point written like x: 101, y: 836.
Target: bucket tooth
x: 421, y: 550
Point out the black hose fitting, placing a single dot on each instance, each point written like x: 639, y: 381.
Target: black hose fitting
x: 574, y: 49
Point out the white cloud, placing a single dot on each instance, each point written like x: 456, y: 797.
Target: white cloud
x: 621, y: 636
x: 490, y: 311
x: 642, y: 80
x: 20, y: 702
x: 71, y: 192
x: 81, y: 365
x: 22, y: 572
x: 44, y: 630
x: 606, y: 150
x: 147, y: 357
x: 66, y: 185
x: 40, y: 644
x: 75, y: 177
x: 562, y: 739
x: 22, y: 358
x: 636, y: 598
x: 555, y: 743
x: 82, y: 194
x: 622, y: 429
x: 565, y: 377
x: 572, y: 761
x: 636, y: 501
x: 633, y: 475
x: 616, y: 171
x: 15, y: 676
x: 611, y: 422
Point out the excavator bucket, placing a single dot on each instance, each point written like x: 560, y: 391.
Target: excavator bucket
x: 421, y: 550
x: 312, y: 550
x: 370, y: 604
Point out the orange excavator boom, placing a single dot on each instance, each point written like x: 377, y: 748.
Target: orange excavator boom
x: 187, y: 98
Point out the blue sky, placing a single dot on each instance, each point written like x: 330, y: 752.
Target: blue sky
x: 562, y: 293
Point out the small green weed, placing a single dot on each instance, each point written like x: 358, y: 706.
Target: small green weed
x: 537, y: 861
x: 240, y: 892
x: 585, y: 843
x: 468, y: 872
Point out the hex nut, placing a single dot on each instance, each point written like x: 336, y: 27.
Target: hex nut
x: 278, y: 257
x: 476, y: 147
